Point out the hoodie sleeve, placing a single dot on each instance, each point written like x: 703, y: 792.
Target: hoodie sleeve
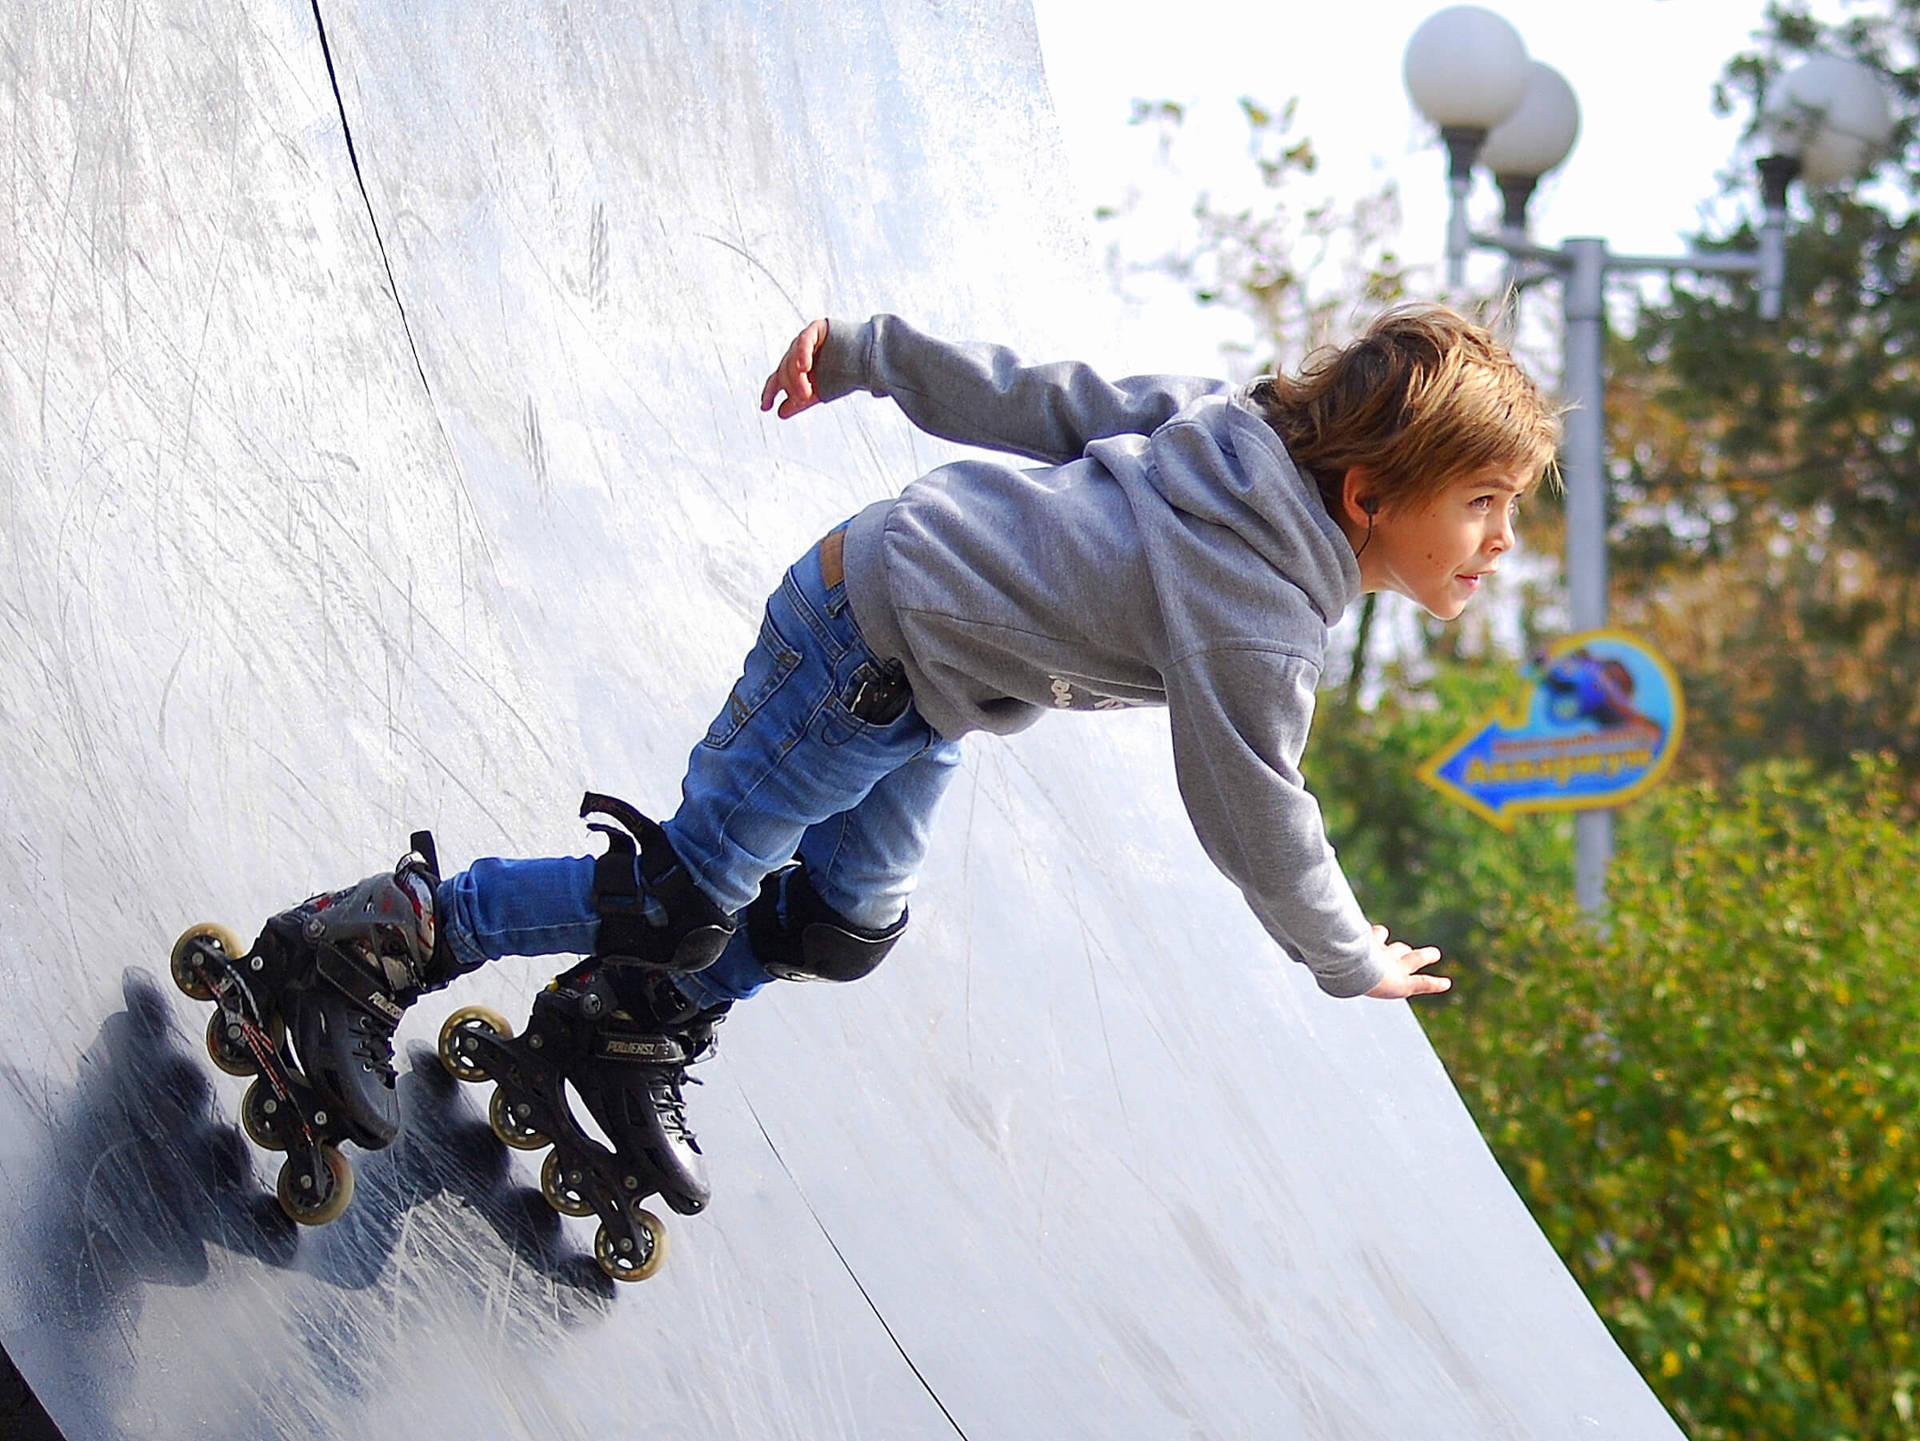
x: 983, y: 395
x: 1240, y: 716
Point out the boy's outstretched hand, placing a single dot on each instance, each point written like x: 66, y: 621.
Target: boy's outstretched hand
x: 1404, y: 965
x: 794, y: 374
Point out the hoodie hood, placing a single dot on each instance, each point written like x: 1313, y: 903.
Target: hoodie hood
x: 1220, y: 463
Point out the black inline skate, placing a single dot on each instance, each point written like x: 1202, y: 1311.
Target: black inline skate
x: 623, y: 1036
x: 310, y: 1013
x: 618, y: 1028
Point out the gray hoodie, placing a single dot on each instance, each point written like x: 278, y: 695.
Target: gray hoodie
x: 1170, y: 554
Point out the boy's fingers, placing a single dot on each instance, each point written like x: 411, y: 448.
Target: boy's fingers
x: 794, y: 375
x: 779, y: 381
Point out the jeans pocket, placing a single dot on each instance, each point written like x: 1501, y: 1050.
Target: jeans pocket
x: 768, y: 666
x: 874, y: 708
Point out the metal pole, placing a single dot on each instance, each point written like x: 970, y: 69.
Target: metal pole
x: 1463, y: 145
x: 1585, y: 462
x: 1583, y: 266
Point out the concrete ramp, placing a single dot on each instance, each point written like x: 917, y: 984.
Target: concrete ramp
x: 377, y: 386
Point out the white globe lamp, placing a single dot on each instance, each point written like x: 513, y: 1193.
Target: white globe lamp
x: 1833, y: 115
x: 1533, y: 140
x: 1466, y: 70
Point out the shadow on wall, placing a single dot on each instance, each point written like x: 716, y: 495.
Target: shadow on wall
x: 162, y: 1189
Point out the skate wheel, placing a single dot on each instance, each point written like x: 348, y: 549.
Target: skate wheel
x: 509, y: 1128
x: 460, y: 1063
x: 181, y: 962
x: 317, y: 1211
x: 266, y: 1118
x: 562, y: 1193
x: 651, y: 1239
x: 230, y: 1052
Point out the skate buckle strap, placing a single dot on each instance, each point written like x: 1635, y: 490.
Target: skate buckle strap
x: 616, y: 884
x: 421, y: 843
x: 617, y: 893
x: 641, y: 1049
x: 358, y: 985
x: 667, y: 922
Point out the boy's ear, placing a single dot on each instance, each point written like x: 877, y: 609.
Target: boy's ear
x: 1358, y: 500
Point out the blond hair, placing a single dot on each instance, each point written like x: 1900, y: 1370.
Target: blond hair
x: 1424, y: 397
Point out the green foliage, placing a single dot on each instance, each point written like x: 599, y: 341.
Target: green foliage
x: 1424, y: 866
x: 1713, y: 1107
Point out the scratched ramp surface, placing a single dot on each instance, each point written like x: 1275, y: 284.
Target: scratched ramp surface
x: 377, y: 389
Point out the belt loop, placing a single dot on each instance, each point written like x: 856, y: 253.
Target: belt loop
x: 833, y: 563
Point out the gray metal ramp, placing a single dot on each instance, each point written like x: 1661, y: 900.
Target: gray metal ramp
x: 408, y: 471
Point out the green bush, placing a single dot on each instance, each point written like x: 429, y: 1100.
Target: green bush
x: 1712, y: 1106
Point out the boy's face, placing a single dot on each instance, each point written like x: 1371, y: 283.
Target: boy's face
x: 1439, y: 553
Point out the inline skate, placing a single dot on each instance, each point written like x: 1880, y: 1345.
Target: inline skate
x: 310, y: 1011
x: 622, y: 1035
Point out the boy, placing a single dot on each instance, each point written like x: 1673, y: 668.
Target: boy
x: 1184, y: 544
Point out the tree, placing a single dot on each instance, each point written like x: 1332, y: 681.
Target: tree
x: 1431, y: 870
x: 1767, y: 485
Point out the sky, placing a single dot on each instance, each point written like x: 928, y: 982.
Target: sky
x: 1644, y: 168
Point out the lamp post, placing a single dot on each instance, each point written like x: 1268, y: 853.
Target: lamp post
x: 1467, y: 71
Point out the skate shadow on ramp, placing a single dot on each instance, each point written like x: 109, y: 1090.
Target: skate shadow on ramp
x: 154, y: 1177
x: 148, y: 1186
x: 162, y: 1174
x: 447, y: 1159
x: 155, y: 1187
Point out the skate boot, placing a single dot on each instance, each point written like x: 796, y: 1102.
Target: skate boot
x: 310, y: 1013
x: 622, y: 1036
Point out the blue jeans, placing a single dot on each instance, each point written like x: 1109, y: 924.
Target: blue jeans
x: 785, y: 770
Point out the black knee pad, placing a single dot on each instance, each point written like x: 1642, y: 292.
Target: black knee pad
x: 811, y: 941
x: 650, y: 910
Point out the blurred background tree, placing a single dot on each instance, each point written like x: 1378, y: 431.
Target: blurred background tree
x: 1767, y: 481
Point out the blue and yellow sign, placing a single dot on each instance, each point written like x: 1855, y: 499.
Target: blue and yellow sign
x: 1600, y: 726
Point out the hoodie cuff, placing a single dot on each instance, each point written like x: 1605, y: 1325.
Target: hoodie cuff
x: 1350, y: 983
x: 845, y: 363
